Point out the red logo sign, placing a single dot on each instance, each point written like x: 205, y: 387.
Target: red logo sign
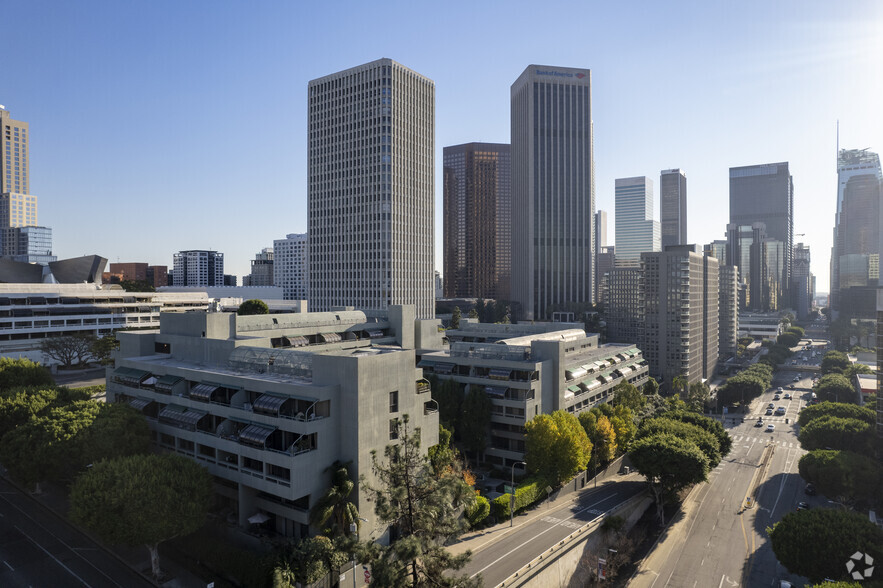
x: 580, y: 75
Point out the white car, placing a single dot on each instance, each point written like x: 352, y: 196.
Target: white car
x: 770, y: 428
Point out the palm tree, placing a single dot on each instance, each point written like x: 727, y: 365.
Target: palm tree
x: 335, y: 505
x: 679, y: 386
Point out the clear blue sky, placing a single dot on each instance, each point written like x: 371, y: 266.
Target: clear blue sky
x: 166, y: 125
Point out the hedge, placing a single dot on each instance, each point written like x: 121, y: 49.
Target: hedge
x: 529, y: 491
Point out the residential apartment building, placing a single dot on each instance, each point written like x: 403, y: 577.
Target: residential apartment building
x: 765, y: 194
x: 600, y: 246
x: 291, y: 266
x: 636, y: 231
x: 198, y: 268
x: 625, y: 304
x: 528, y: 370
x: 371, y: 188
x: 14, y: 158
x: 673, y: 207
x: 266, y: 402
x: 728, y: 310
x: 477, y: 221
x: 553, y: 187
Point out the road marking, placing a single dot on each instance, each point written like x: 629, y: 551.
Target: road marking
x: 43, y: 549
x: 12, y: 569
x: 505, y: 555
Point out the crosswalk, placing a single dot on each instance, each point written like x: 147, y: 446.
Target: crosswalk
x: 765, y: 439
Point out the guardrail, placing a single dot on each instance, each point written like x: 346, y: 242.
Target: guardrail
x: 537, y: 564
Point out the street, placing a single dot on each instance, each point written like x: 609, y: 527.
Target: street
x: 711, y: 543
x: 37, y: 548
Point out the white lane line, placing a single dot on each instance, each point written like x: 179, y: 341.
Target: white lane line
x: 43, y: 549
x: 550, y: 528
x: 12, y: 569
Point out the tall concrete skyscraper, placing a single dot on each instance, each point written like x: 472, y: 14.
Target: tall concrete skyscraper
x: 600, y: 246
x: 371, y: 188
x: 477, y: 221
x: 673, y: 207
x: 290, y: 266
x: 198, y: 268
x: 765, y: 194
x: 14, y: 148
x: 857, y: 232
x: 553, y: 187
x: 636, y: 231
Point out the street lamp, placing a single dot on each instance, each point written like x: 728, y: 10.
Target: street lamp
x: 354, y: 529
x: 512, y: 496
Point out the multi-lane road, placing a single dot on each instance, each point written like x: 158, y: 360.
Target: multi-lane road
x: 715, y: 540
x: 38, y: 548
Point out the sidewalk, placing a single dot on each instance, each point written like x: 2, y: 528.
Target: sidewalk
x: 478, y: 540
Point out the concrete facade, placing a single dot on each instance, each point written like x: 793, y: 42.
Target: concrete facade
x: 198, y: 268
x: 673, y: 207
x: 266, y: 403
x: 553, y: 187
x: 372, y: 188
x: 728, y: 309
x: 291, y: 266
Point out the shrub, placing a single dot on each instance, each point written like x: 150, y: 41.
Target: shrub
x: 478, y: 511
x: 529, y: 491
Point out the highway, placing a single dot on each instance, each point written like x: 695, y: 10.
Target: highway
x: 38, y: 548
x: 711, y: 543
x: 502, y: 557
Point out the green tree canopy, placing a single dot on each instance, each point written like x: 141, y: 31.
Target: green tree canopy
x: 68, y: 350
x: 253, y: 306
x: 624, y: 426
x: 834, y: 387
x: 449, y: 395
x: 625, y: 394
x: 18, y: 405
x: 142, y: 500
x: 651, y: 387
x: 15, y: 373
x: 475, y: 418
x: 334, y: 512
x: 442, y: 456
x: 837, y: 409
x: 830, y: 432
x: 557, y: 446
x: 725, y: 442
x: 856, y: 368
x: 137, y: 286
x: 603, y: 441
x: 424, y: 511
x: 456, y: 315
x: 670, y: 464
x: 834, y: 362
x: 705, y: 441
x: 799, y: 331
x: 843, y: 475
x: 788, y: 339
x: 746, y: 385
x: 818, y: 542
x: 103, y: 347
x: 698, y: 394
x: 308, y: 561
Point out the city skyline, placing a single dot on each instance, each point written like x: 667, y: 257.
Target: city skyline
x: 189, y: 114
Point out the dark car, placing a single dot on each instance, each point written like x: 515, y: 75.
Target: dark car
x: 810, y: 490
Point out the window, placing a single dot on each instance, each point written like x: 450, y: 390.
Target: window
x: 393, y: 429
x: 394, y: 401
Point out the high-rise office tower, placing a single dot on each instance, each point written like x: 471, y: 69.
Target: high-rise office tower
x: 553, y: 187
x: 765, y: 193
x: 673, y: 207
x: 477, y: 221
x: 605, y: 260
x: 290, y: 266
x: 600, y: 243
x: 728, y: 310
x: 718, y: 249
x: 760, y: 260
x: 625, y: 304
x: 371, y: 188
x: 857, y: 232
x: 636, y: 231
x: 261, y: 269
x: 802, y: 282
x: 198, y: 268
x: 680, y: 291
x: 14, y: 147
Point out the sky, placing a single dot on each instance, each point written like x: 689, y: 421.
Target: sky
x: 163, y: 126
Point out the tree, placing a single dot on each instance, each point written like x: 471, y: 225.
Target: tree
x: 669, y: 464
x: 679, y: 385
x: 137, y: 286
x: 816, y: 543
x: 442, y: 456
x: 475, y: 418
x: 335, y: 505
x: 142, y: 500
x: 651, y: 387
x: 456, y: 315
x: 309, y: 560
x: 19, y: 405
x: 846, y: 476
x: 103, y: 347
x: 449, y: 396
x: 697, y: 395
x: 832, y: 432
x: 473, y: 313
x: 68, y: 350
x: 834, y: 362
x: 424, y: 512
x: 557, y: 446
x: 253, y: 306
x: 704, y: 440
x: 627, y: 395
x: 836, y: 409
x: 15, y: 373
x: 60, y: 443
x: 725, y: 442
x: 856, y: 368
x: 603, y: 442
x: 834, y: 387
x: 799, y: 331
x: 623, y: 422
x: 788, y: 339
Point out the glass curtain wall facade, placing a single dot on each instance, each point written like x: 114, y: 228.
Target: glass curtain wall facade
x: 636, y: 231
x: 553, y: 190
x: 673, y: 207
x: 371, y: 188
x: 477, y: 221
